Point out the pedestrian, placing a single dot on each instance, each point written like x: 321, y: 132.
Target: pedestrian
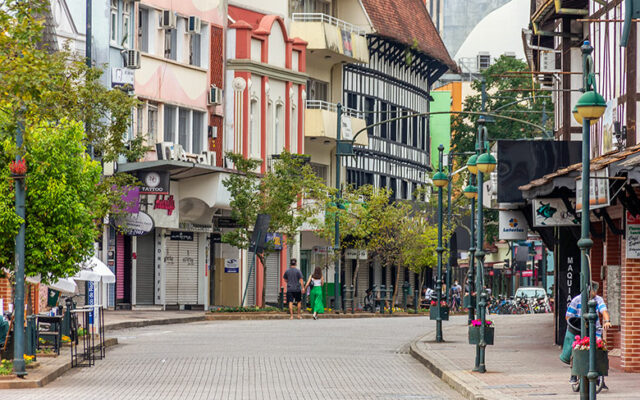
x: 456, y: 292
x: 295, y: 281
x: 574, y: 313
x: 315, y: 282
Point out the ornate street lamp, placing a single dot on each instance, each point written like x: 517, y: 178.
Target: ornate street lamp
x: 471, y: 164
x: 486, y: 163
x: 440, y: 180
x: 470, y: 192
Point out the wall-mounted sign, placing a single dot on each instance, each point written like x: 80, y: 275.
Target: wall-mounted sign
x: 154, y: 182
x: 189, y: 226
x: 598, y: 190
x: 633, y: 236
x: 122, y: 77
x: 275, y: 239
x: 164, y: 202
x: 181, y: 235
x: 216, y: 237
x: 135, y: 224
x: 512, y: 225
x: 225, y: 222
x: 231, y: 266
x: 552, y: 212
x: 355, y: 254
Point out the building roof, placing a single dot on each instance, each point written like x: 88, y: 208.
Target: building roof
x: 408, y: 21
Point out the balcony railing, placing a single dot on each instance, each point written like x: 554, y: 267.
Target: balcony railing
x: 319, y: 17
x: 325, y: 105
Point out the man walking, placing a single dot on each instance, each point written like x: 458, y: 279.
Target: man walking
x: 295, y: 282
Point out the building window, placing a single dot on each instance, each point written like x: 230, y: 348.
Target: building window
x: 152, y: 122
x: 170, y: 44
x: 393, y: 125
x: 139, y: 120
x: 183, y: 128
x: 318, y: 90
x: 254, y: 129
x: 383, y: 116
x: 294, y: 129
x: 126, y: 13
x: 114, y: 22
x: 194, y: 49
x: 270, y: 138
x: 279, y: 130
x: 404, y: 126
x: 320, y: 171
x: 197, y: 140
x: 169, y: 123
x: 484, y: 61
x: 143, y: 30
x: 311, y: 6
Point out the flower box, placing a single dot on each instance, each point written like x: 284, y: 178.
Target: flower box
x: 469, y: 302
x: 580, y: 365
x: 444, y: 313
x: 474, y: 335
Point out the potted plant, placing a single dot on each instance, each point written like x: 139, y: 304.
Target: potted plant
x: 475, y: 333
x: 580, y: 355
x: 444, y: 310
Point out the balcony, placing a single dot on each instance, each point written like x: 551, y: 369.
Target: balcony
x: 330, y: 38
x: 321, y: 119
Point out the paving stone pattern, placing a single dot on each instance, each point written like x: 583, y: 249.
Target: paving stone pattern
x: 324, y: 359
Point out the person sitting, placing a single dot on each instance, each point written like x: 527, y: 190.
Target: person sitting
x: 369, y: 301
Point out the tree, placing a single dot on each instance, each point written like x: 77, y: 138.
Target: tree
x: 49, y: 93
x: 513, y: 95
x: 289, y: 192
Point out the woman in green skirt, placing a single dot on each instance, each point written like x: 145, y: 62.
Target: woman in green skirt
x: 316, y: 281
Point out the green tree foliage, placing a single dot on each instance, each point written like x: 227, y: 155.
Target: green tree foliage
x: 49, y: 92
x: 504, y: 90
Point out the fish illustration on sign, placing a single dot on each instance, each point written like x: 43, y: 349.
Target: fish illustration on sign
x: 546, y: 210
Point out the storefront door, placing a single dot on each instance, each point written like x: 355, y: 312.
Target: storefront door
x: 182, y: 284
x: 145, y: 250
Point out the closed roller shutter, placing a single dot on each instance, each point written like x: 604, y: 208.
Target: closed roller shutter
x: 188, y: 272
x: 272, y: 281
x: 171, y: 272
x: 145, y: 268
x: 363, y: 281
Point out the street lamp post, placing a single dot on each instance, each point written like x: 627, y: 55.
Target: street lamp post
x: 449, y: 176
x: 588, y: 110
x: 336, y: 247
x: 471, y: 192
x: 440, y: 180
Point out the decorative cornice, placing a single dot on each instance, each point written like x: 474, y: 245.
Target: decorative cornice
x: 271, y: 71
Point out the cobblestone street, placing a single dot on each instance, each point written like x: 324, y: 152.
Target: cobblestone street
x: 324, y: 359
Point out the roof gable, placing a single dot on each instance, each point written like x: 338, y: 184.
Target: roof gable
x: 408, y: 21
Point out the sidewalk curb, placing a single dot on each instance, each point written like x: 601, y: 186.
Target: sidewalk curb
x: 53, y: 373
x: 460, y: 380
x: 149, y: 322
x: 277, y: 316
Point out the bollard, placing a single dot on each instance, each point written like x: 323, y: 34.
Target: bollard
x: 416, y: 301
x: 66, y: 319
x: 390, y: 298
x: 31, y: 336
x: 383, y: 295
x: 592, y: 375
x: 281, y: 299
x: 353, y: 300
x: 405, y: 291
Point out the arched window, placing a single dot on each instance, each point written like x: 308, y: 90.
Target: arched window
x: 279, y: 129
x: 254, y: 130
x: 294, y: 129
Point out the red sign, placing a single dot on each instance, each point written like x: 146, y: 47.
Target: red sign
x: 163, y: 203
x: 527, y: 274
x: 490, y: 273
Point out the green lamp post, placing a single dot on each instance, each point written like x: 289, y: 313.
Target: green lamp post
x: 440, y: 180
x: 588, y: 110
x: 471, y: 192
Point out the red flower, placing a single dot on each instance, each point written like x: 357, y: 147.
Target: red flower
x: 18, y: 168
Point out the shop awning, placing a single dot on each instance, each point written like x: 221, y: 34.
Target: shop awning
x: 178, y: 169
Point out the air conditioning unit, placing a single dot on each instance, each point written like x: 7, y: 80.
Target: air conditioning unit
x: 164, y: 150
x: 132, y: 59
x: 215, y: 96
x: 210, y: 157
x: 178, y: 153
x: 168, y: 20
x: 194, y: 24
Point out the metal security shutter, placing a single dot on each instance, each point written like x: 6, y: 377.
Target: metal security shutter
x: 251, y: 285
x: 363, y: 281
x: 188, y: 272
x: 145, y: 268
x: 171, y: 272
x: 272, y: 281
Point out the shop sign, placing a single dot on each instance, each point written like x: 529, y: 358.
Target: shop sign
x: 203, y: 228
x: 181, y: 235
x: 322, y: 250
x: 154, y: 182
x: 216, y: 238
x: 90, y: 298
x: 275, y: 239
x: 231, y: 266
x: 633, y: 235
x: 512, y: 225
x: 138, y: 224
x: 598, y: 190
x: 355, y: 254
x: 225, y: 222
x: 552, y: 212
x: 527, y: 274
x: 122, y: 77
x: 164, y: 203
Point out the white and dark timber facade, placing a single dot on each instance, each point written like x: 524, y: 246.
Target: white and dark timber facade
x: 395, y: 83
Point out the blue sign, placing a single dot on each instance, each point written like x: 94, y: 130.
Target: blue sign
x: 90, y: 299
x: 275, y: 239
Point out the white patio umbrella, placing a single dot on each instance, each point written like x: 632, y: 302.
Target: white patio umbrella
x: 86, y: 275
x: 97, y: 267
x: 66, y: 285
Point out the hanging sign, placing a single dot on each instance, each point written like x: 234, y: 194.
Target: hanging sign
x: 182, y: 236
x: 633, y: 235
x: 512, y: 225
x: 154, y: 182
x: 552, y: 212
x: 122, y: 77
x: 598, y: 190
x: 275, y: 239
x: 164, y: 202
x: 231, y: 266
x: 135, y: 224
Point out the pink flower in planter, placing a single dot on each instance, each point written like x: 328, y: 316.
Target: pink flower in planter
x: 477, y: 322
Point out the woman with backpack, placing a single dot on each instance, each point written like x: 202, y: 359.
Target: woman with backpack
x: 315, y: 282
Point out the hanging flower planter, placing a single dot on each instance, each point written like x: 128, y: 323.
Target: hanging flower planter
x: 469, y: 302
x: 18, y: 169
x: 444, y: 311
x: 475, y: 333
x: 580, y: 355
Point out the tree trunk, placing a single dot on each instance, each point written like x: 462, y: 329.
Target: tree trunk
x: 395, y: 289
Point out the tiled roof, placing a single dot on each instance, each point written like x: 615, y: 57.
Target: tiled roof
x: 406, y: 20
x: 596, y: 164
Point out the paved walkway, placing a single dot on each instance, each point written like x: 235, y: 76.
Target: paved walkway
x: 325, y: 359
x: 523, y: 363
x: 121, y: 319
